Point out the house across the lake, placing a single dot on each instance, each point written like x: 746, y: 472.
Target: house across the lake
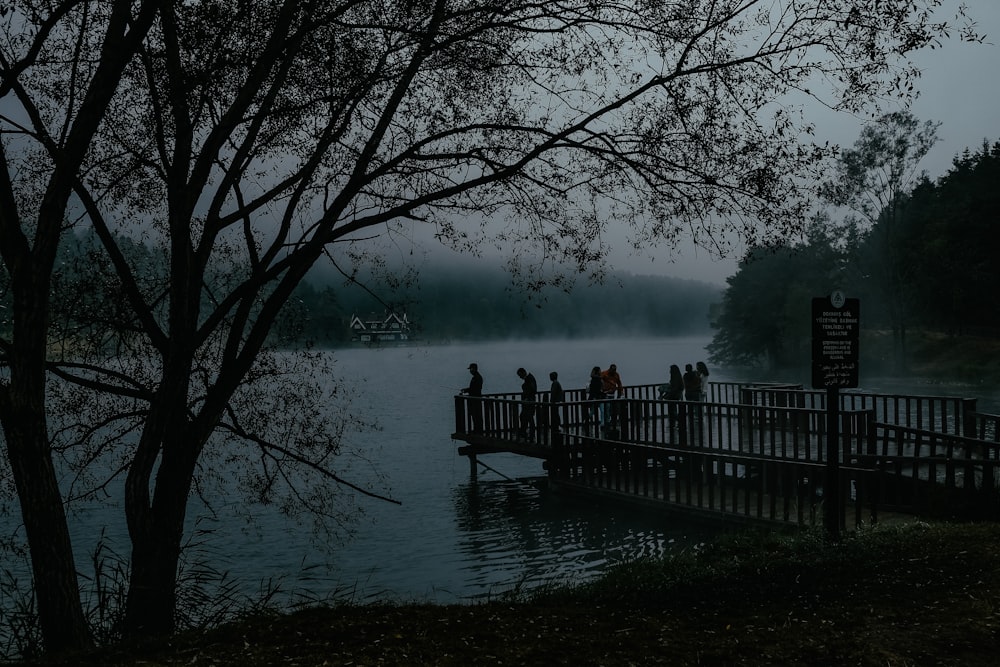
x: 390, y: 327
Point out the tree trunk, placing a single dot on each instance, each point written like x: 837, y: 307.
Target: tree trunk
x: 23, y: 413
x: 57, y: 591
x: 156, y: 546
x: 152, y: 594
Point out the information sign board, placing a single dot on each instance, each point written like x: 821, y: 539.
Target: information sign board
x: 835, y: 334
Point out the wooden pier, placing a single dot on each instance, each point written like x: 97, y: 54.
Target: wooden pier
x: 755, y: 452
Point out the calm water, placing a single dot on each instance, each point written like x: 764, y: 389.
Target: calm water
x: 452, y: 539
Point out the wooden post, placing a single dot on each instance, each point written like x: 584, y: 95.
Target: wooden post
x: 831, y: 495
x: 969, y: 418
x: 459, y: 414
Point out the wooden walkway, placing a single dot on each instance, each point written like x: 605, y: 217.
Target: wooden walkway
x: 756, y: 453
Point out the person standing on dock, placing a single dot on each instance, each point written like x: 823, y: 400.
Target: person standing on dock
x: 675, y: 387
x: 595, y: 393
x: 613, y: 388
x: 692, y: 383
x: 692, y: 392
x: 529, y: 393
x: 675, y: 392
x: 556, y: 398
x: 475, y: 391
x: 702, y: 371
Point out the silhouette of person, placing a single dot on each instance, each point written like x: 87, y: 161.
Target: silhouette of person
x: 702, y: 371
x: 529, y: 392
x: 674, y: 392
x: 675, y: 388
x: 692, y: 383
x: 692, y: 392
x: 613, y: 388
x: 612, y: 382
x: 475, y: 392
x: 595, y: 392
x: 556, y: 398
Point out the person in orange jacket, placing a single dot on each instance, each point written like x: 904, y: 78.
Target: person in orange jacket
x: 613, y: 388
x: 612, y: 382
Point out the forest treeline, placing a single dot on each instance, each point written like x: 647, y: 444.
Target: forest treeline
x: 927, y: 268
x: 470, y: 302
x: 444, y: 303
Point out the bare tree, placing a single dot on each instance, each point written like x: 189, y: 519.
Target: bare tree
x: 78, y: 52
x: 251, y: 139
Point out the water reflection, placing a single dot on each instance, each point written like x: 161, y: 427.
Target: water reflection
x: 518, y: 533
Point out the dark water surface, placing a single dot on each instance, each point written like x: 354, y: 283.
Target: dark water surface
x: 451, y: 538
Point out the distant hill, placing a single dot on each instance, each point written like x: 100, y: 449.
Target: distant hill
x: 482, y: 303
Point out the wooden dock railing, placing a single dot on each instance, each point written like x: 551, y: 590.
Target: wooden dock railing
x: 756, y: 451
x: 943, y: 414
x: 728, y: 485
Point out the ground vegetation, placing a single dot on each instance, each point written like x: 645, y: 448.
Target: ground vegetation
x: 918, y: 594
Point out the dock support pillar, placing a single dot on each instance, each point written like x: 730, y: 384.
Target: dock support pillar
x: 473, y: 466
x: 833, y: 510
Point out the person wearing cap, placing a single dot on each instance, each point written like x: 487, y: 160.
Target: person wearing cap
x: 475, y: 390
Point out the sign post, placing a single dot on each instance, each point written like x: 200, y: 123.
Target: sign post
x: 835, y: 335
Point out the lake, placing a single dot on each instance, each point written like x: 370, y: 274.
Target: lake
x: 452, y: 539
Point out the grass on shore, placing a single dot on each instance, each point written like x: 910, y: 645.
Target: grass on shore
x: 919, y: 594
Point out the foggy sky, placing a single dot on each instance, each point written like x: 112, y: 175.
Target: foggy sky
x: 957, y: 88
